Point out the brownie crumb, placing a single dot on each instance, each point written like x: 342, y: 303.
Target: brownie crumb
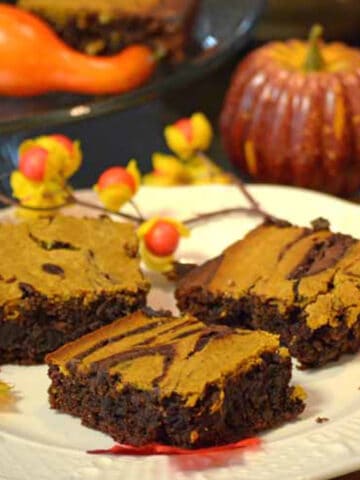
x: 322, y: 420
x: 320, y: 224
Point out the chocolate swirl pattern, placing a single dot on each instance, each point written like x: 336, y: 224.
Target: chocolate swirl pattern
x: 300, y: 283
x: 149, y: 377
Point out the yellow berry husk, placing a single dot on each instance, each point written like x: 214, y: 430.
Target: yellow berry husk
x: 155, y: 263
x: 45, y: 195
x: 167, y: 171
x: 177, y: 142
x: 202, y: 132
x: 202, y: 171
x: 4, y: 388
x: 202, y: 135
x: 115, y: 196
x: 134, y: 171
x: 6, y: 395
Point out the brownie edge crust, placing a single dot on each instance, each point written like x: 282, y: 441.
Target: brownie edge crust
x: 148, y: 379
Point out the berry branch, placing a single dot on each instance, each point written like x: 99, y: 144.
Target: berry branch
x: 40, y: 185
x: 72, y: 200
x: 132, y: 218
x: 137, y: 210
x: 201, y: 217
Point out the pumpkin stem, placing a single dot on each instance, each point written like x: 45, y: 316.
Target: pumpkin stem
x: 314, y: 60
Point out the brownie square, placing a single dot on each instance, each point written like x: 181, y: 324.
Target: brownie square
x: 61, y: 278
x: 106, y: 26
x: 301, y: 283
x: 154, y: 378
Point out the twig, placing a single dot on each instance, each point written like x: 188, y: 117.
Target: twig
x: 4, y: 199
x: 104, y: 210
x: 206, y: 216
x: 72, y: 200
x: 137, y: 210
x: 255, y: 204
x: 237, y: 181
x: 127, y: 216
x: 254, y: 209
x: 8, y: 201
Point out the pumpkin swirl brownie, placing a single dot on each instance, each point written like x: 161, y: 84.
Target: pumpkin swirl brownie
x: 61, y: 278
x: 151, y: 377
x: 105, y: 26
x: 301, y: 283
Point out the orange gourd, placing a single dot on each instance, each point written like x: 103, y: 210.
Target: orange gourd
x: 33, y: 60
x: 292, y: 115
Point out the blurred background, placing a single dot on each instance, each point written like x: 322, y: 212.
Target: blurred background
x: 137, y: 132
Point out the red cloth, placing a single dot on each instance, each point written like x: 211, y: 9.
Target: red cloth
x: 157, y: 449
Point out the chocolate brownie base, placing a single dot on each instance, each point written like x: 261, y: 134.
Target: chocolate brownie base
x: 158, y: 379
x: 44, y: 326
x: 300, y: 283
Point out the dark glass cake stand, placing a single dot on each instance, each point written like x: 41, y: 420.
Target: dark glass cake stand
x: 223, y: 27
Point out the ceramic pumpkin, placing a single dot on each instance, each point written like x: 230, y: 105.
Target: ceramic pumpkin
x: 292, y: 115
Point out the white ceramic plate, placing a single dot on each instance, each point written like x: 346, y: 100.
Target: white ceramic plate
x: 37, y: 443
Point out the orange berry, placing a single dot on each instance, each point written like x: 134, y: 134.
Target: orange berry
x: 32, y: 163
x: 116, y: 176
x: 162, y: 239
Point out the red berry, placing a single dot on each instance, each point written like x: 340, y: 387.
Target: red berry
x: 116, y: 176
x: 32, y: 163
x: 65, y: 141
x: 162, y: 239
x: 185, y: 126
